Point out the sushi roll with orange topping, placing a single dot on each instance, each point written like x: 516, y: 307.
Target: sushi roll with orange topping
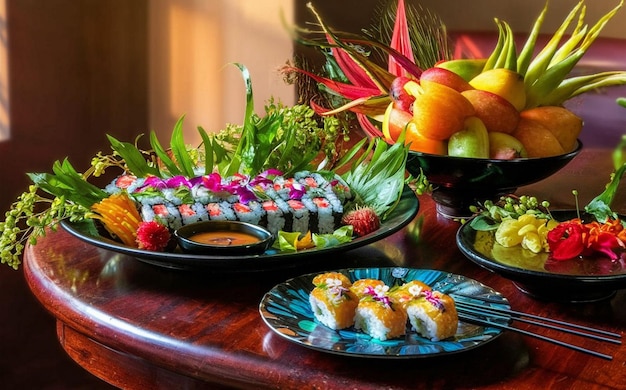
x: 378, y: 316
x: 332, y: 302
x: 433, y: 316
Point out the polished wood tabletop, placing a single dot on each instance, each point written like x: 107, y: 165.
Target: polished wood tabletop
x: 139, y: 326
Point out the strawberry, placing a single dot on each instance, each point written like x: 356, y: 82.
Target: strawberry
x: 363, y: 219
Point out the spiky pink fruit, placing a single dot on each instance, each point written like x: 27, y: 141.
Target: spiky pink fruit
x: 363, y: 219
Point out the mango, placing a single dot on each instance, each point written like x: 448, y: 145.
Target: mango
x: 503, y: 82
x: 564, y: 124
x: 438, y: 110
x: 497, y: 113
x: 537, y: 139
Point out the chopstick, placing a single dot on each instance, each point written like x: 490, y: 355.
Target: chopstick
x: 519, y: 316
x: 545, y: 338
x: 488, y: 315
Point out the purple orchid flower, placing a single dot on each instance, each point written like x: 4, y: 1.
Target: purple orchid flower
x: 297, y: 191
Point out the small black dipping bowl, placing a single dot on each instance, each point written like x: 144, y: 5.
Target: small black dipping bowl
x: 264, y: 238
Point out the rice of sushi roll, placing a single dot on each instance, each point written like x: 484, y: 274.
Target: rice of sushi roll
x: 149, y: 197
x: 171, y: 195
x: 332, y: 302
x: 433, y: 316
x: 203, y: 195
x: 378, y: 316
x: 201, y: 211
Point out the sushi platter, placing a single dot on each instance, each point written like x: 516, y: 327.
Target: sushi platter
x: 403, y: 213
x: 286, y: 310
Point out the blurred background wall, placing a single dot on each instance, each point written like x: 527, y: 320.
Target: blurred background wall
x: 192, y: 44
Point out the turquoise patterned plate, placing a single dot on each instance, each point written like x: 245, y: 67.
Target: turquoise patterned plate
x: 286, y: 310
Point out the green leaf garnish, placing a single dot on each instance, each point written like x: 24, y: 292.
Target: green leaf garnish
x: 134, y: 159
x: 67, y: 183
x: 600, y: 206
x: 378, y: 175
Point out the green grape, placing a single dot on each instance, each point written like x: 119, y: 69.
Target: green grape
x: 513, y: 207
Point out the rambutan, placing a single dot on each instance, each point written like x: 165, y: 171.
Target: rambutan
x: 153, y: 236
x: 364, y: 220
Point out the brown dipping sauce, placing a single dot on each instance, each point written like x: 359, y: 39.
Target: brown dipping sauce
x: 224, y: 238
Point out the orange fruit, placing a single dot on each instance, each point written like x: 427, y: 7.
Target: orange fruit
x: 421, y: 143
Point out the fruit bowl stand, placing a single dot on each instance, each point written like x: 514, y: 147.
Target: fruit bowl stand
x: 461, y: 182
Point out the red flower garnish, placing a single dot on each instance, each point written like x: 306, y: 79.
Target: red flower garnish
x: 566, y: 240
x: 605, y: 237
x: 152, y: 236
x: 573, y: 238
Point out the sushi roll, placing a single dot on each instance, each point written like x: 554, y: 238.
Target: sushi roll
x: 327, y: 218
x: 332, y: 302
x: 274, y: 216
x: 433, y: 316
x: 340, y: 189
x: 300, y: 216
x: 378, y: 316
x: 164, y: 213
x: 220, y: 211
x: 251, y: 212
x: 123, y: 182
x: 188, y: 214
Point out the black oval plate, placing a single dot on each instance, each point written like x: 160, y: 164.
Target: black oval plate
x: 404, y: 213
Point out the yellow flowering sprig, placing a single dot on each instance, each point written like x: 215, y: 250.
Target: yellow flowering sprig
x: 24, y: 222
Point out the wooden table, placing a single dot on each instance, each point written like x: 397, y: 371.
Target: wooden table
x: 138, y: 326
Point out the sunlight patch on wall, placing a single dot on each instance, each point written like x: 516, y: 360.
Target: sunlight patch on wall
x: 5, y: 132
x: 192, y: 43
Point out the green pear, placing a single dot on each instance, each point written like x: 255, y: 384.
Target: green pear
x: 472, y: 141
